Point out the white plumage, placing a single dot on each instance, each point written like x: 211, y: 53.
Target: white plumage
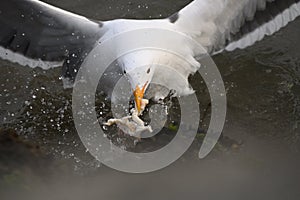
x: 56, y: 36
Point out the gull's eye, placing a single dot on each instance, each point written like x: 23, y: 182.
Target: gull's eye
x: 148, y: 71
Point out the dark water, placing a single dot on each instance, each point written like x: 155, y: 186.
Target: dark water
x: 258, y: 156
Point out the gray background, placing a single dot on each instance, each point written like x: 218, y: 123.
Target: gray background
x: 257, y: 158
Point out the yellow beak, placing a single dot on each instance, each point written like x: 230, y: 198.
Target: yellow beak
x: 138, y: 96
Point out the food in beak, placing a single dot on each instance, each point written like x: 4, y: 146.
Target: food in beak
x: 132, y: 125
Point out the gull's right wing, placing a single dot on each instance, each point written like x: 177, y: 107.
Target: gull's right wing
x: 34, y: 33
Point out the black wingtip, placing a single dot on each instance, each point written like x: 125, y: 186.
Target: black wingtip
x: 173, y: 18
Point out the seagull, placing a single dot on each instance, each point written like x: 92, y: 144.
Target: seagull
x: 37, y: 34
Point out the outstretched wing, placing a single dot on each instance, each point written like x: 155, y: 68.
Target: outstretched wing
x: 231, y: 24
x: 34, y: 33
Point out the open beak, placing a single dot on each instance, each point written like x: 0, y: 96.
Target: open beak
x: 138, y: 96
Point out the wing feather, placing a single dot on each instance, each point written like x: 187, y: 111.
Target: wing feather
x: 232, y: 24
x: 43, y: 35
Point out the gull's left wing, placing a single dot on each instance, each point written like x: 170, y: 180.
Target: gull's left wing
x: 231, y: 24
